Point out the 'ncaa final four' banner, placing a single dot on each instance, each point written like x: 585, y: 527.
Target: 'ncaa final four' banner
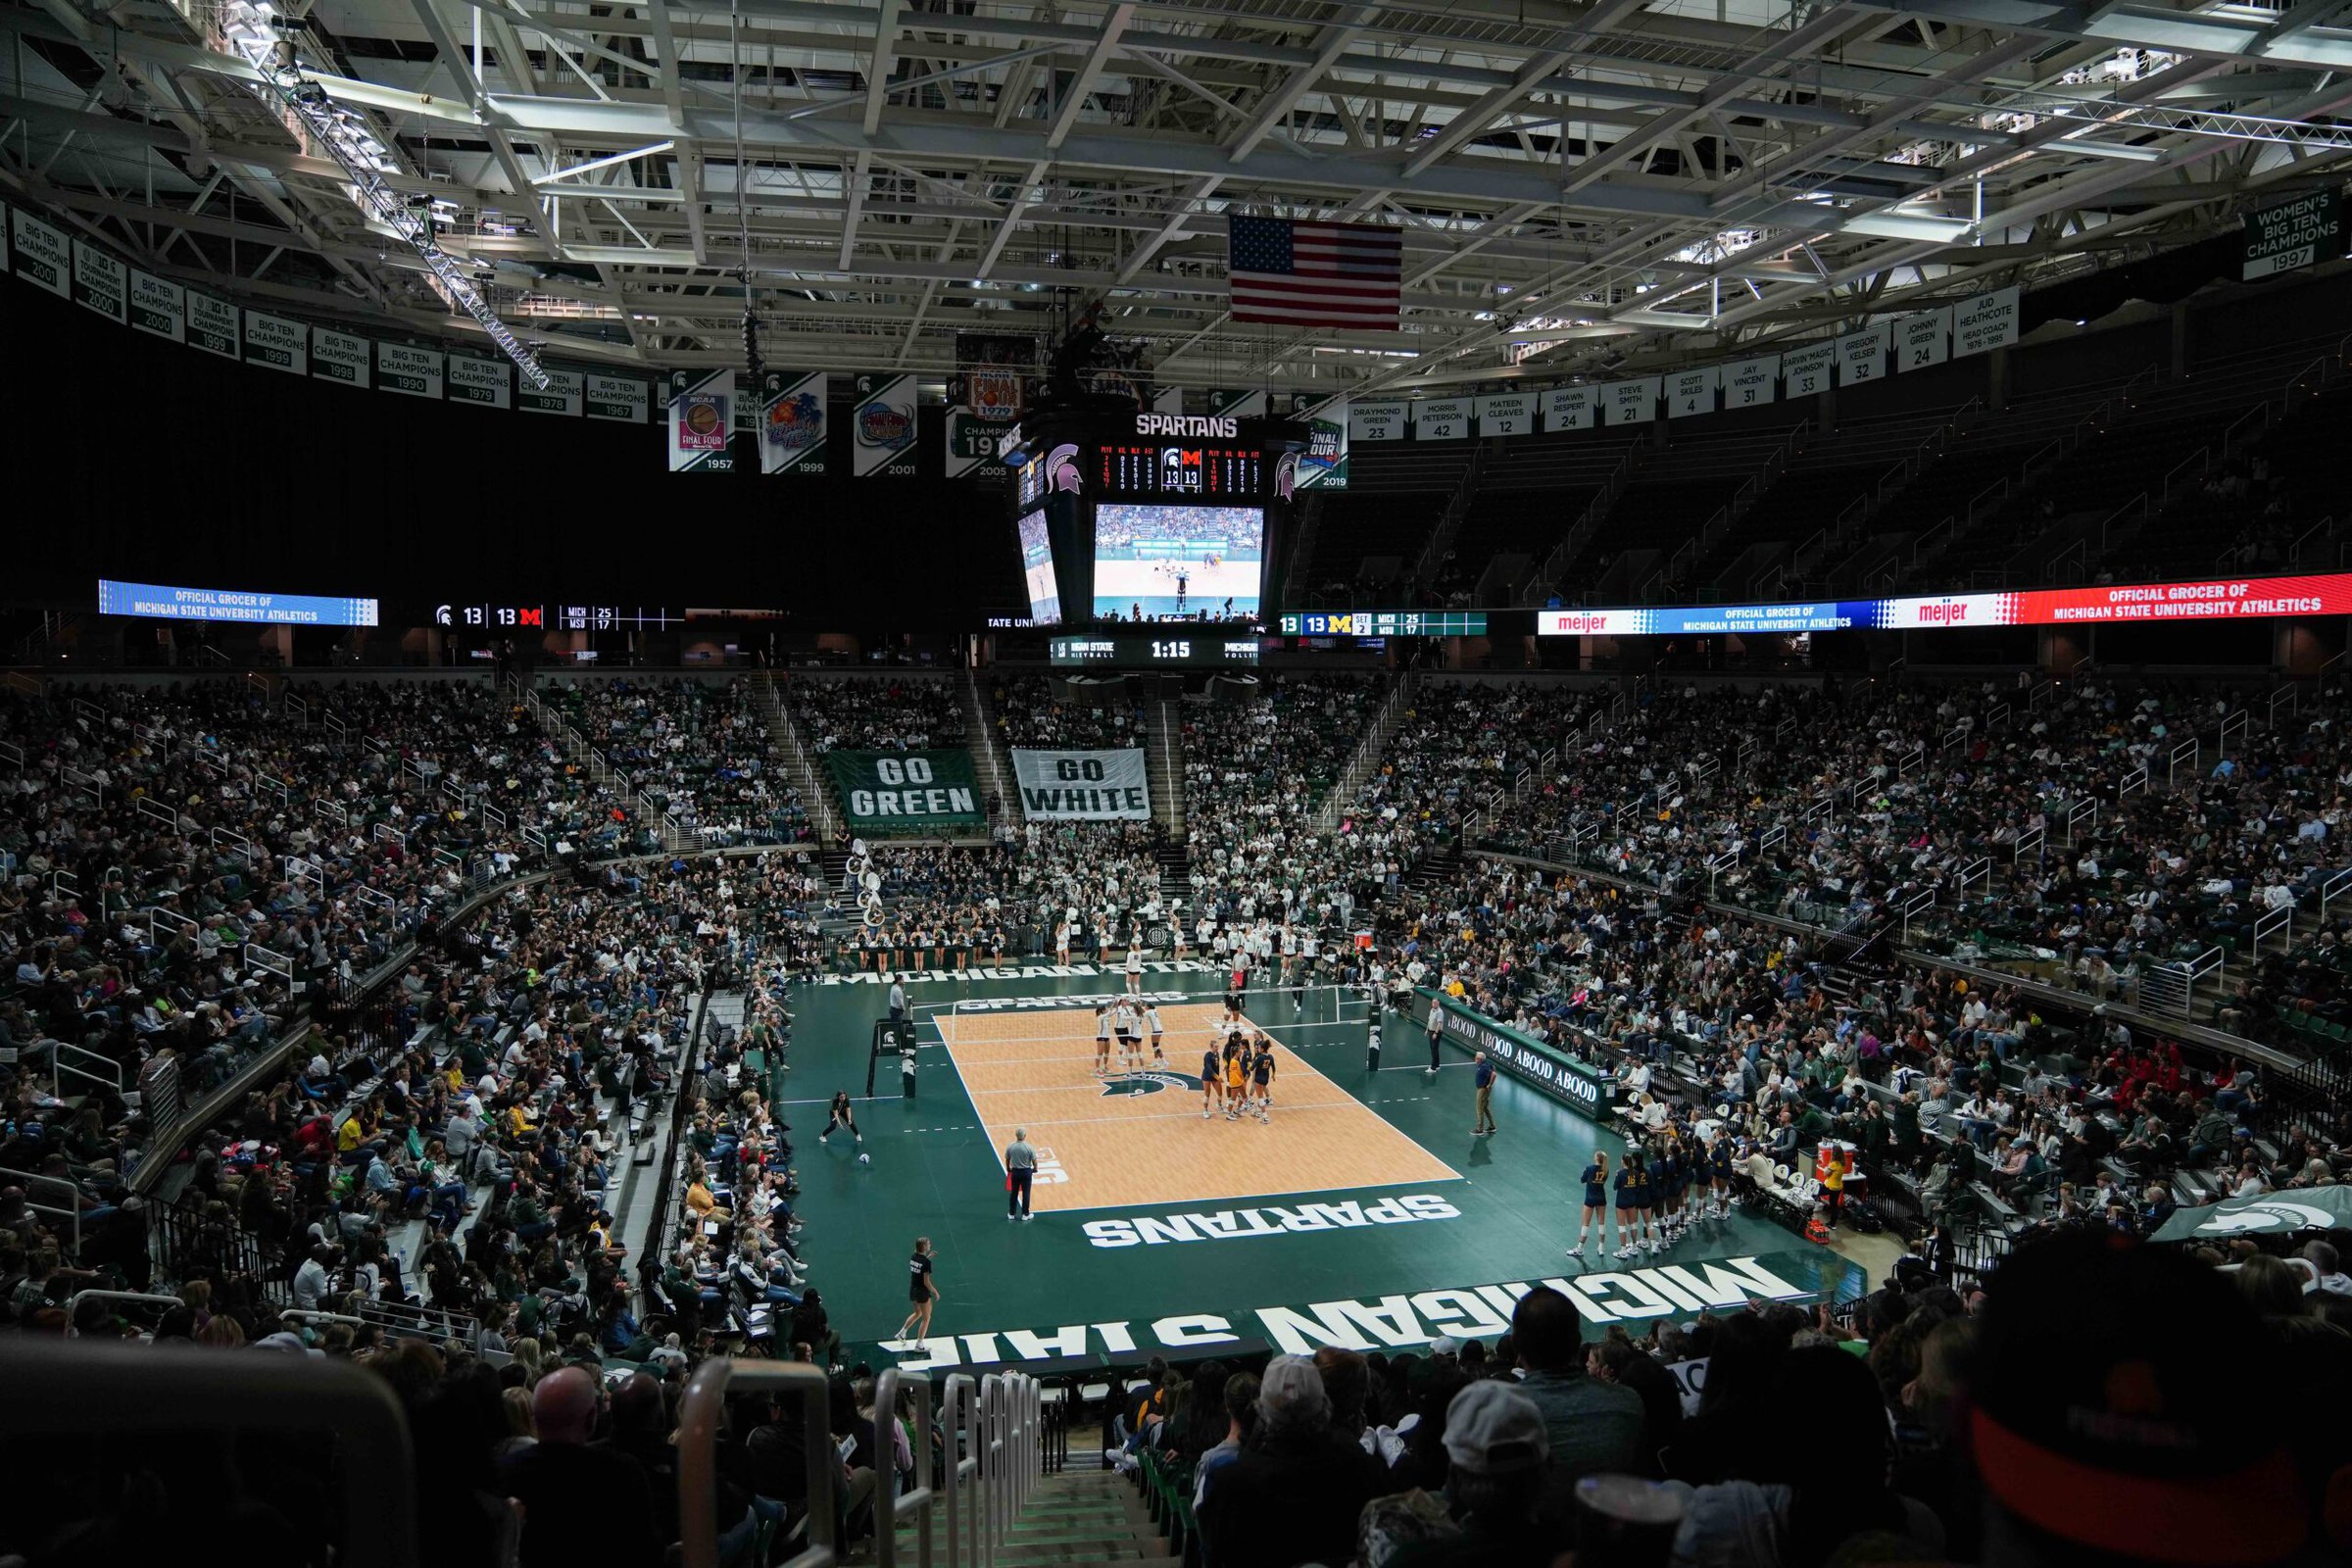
x: 906, y: 792
x: 1083, y: 786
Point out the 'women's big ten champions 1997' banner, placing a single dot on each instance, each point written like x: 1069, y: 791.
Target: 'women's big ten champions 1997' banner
x: 1083, y: 786
x: 906, y: 792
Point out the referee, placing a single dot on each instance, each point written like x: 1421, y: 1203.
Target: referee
x: 1436, y: 1029
x: 1021, y: 1169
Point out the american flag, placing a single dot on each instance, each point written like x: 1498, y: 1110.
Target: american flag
x: 1315, y: 274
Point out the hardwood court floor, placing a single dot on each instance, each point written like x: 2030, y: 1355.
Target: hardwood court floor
x: 1125, y: 1144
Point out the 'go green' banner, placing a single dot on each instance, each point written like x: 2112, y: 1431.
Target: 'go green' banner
x: 906, y: 792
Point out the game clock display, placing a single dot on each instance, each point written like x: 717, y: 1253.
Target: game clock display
x: 1202, y: 651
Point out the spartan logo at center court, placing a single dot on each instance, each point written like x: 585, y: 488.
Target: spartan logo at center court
x: 1150, y: 1083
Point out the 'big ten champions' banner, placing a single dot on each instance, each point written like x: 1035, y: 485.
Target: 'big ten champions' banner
x: 791, y: 422
x: 1083, y: 786
x: 984, y: 400
x: 906, y: 792
x: 701, y: 422
x: 882, y: 424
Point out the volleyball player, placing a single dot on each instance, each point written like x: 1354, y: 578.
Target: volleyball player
x: 1655, y: 1190
x: 1061, y: 943
x: 1261, y: 1073
x: 843, y: 1117
x: 1134, y: 967
x: 1597, y: 1206
x: 1629, y: 1204
x: 1101, y: 1040
x: 1212, y: 1071
x: 1241, y: 968
x: 1152, y: 1022
x: 1237, y: 1076
x: 1290, y: 965
x: 1308, y: 957
x: 922, y: 1292
x: 1719, y: 1171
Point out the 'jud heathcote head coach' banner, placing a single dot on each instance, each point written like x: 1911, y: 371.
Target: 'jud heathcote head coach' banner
x: 1083, y: 786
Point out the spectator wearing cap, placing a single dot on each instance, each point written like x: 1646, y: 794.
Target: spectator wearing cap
x: 1496, y: 1448
x: 1293, y: 1494
x: 1590, y: 1426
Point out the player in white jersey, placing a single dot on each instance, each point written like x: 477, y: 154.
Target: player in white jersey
x: 1102, y: 1041
x: 1152, y: 1022
x: 1134, y: 967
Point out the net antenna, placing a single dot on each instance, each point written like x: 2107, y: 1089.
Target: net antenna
x: 742, y: 202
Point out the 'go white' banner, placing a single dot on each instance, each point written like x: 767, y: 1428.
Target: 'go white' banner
x: 1083, y: 786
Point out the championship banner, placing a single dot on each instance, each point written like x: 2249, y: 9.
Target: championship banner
x: 882, y: 424
x: 410, y: 371
x: 212, y: 326
x: 1083, y: 786
x: 791, y: 422
x: 41, y: 256
x: 1323, y: 466
x: 486, y: 383
x: 100, y: 282
x: 276, y: 342
x: 561, y: 394
x: 158, y: 306
x: 701, y: 422
x: 984, y: 401
x: 1385, y: 419
x: 2289, y: 235
x: 906, y: 792
x: 340, y: 357
x: 622, y: 399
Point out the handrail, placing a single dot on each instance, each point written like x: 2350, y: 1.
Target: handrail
x: 889, y: 1505
x: 699, y: 1417
x: 2054, y: 451
x: 2259, y: 416
x: 91, y: 1387
x: 2325, y: 526
x: 2139, y: 504
x: 2202, y: 458
x: 1999, y: 490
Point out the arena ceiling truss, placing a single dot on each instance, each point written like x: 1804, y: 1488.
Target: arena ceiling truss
x: 1579, y: 186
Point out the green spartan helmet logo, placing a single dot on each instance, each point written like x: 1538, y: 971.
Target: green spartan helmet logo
x: 1150, y: 1083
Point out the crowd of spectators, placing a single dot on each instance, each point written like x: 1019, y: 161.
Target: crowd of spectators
x: 1095, y: 884
x: 872, y: 714
x: 692, y: 750
x: 1922, y: 1422
x: 1030, y: 713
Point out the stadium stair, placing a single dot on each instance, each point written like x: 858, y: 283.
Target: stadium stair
x: 1078, y: 1516
x: 1165, y: 767
x: 980, y: 723
x: 799, y: 765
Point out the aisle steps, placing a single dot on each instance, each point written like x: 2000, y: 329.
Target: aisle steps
x: 1092, y: 1516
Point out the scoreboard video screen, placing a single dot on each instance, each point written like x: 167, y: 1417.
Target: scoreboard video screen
x: 1170, y: 563
x: 1152, y: 469
x: 1037, y: 569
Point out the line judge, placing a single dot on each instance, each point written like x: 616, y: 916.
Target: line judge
x: 1020, y: 1170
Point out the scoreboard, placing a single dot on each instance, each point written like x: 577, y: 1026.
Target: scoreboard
x: 1193, y: 651
x: 1386, y: 623
x: 1139, y: 469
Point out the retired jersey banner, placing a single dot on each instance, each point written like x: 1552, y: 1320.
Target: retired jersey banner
x: 1985, y: 322
x: 1807, y: 371
x: 99, y: 280
x: 906, y: 792
x: 1083, y: 786
x: 791, y: 422
x: 1381, y: 419
x: 1440, y: 418
x: 1630, y: 402
x: 1747, y: 383
x: 1570, y: 408
x: 701, y: 422
x: 882, y: 426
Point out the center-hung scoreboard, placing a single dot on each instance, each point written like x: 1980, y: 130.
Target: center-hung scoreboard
x: 1149, y: 516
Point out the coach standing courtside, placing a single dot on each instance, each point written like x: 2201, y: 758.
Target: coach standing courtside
x: 1020, y: 1170
x: 1483, y: 1076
